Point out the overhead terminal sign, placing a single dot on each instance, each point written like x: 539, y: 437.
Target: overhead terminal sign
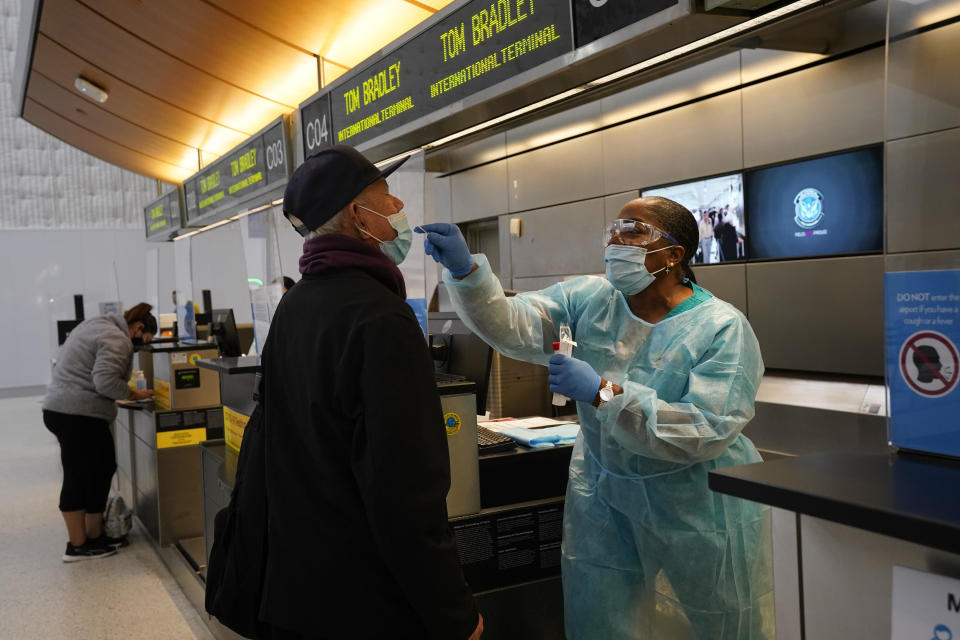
x: 162, y: 216
x: 475, y: 47
x: 228, y: 185
x: 595, y: 19
x: 316, y: 125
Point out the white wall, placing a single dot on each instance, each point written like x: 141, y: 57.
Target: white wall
x: 42, y: 270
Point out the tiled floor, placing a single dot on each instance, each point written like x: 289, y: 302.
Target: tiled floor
x: 129, y: 595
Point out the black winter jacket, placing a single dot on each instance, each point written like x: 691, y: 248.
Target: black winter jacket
x: 357, y: 470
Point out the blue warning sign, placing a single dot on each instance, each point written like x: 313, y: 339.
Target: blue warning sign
x: 922, y: 317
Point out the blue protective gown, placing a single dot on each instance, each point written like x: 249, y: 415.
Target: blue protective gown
x: 649, y: 551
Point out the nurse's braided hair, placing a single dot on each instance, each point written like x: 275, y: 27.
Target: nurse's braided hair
x: 676, y: 219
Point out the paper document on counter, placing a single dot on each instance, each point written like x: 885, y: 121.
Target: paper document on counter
x: 533, y: 422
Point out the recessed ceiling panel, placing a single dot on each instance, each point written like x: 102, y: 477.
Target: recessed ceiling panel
x: 137, y: 62
x: 91, y: 116
x: 219, y: 44
x: 129, y: 103
x: 117, y: 154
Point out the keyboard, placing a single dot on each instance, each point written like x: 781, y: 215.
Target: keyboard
x: 489, y: 441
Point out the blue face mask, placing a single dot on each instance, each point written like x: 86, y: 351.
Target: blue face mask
x: 627, y: 268
x: 397, y: 248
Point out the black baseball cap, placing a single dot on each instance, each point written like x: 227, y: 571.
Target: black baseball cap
x: 327, y: 181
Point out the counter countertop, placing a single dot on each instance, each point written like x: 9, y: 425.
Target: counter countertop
x: 176, y: 346
x: 901, y: 495
x: 232, y: 365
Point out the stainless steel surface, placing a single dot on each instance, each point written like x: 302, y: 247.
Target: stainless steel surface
x: 727, y: 281
x: 833, y: 106
x: 480, y: 192
x: 216, y: 495
x: 542, y: 131
x: 506, y: 259
x: 566, y: 239
x: 685, y: 84
x: 786, y: 574
x: 700, y: 139
x: 236, y: 391
x: 819, y: 315
x: 464, y: 495
x: 613, y: 204
x: 796, y: 431
x: 562, y: 172
x: 830, y: 392
x: 180, y: 501
x: 922, y: 192
x: 932, y: 260
x: 193, y: 548
x: 167, y: 484
x: 469, y: 154
x: 123, y: 437
x: 847, y: 578
x: 923, y: 92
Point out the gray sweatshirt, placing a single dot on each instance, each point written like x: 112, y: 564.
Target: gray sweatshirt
x: 92, y: 369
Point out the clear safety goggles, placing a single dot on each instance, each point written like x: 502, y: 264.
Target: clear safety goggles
x: 633, y: 232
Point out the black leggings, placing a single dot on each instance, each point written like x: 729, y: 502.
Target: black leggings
x: 88, y: 457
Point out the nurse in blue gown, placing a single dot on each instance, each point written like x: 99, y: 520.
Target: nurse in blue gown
x: 665, y: 376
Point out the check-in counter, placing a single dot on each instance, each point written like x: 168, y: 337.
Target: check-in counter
x: 850, y: 518
x: 508, y: 536
x: 158, y: 468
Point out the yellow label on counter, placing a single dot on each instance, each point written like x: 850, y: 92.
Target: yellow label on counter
x: 180, y: 438
x: 452, y: 422
x: 234, y: 424
x: 161, y: 395
x: 194, y: 358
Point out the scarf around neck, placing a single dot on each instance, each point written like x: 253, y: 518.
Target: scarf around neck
x: 335, y: 251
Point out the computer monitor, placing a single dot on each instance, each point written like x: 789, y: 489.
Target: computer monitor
x: 64, y: 327
x: 717, y: 208
x: 166, y: 322
x: 223, y: 328
x: 827, y: 206
x: 465, y: 354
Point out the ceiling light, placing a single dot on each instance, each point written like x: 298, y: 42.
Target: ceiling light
x: 90, y: 90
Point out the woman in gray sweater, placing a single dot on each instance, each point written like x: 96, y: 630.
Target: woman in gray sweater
x: 91, y: 373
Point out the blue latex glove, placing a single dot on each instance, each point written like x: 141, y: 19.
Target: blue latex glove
x: 573, y: 378
x: 446, y: 245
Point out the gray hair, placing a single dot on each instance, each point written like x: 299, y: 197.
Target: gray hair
x: 333, y: 225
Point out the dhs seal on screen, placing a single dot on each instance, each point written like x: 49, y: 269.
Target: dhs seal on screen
x: 808, y: 208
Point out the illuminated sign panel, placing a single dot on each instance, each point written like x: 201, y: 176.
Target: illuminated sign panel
x: 316, y: 125
x: 256, y: 166
x: 482, y: 43
x: 162, y: 216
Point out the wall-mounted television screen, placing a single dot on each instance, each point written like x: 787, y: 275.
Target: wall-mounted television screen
x: 831, y: 205
x: 717, y: 208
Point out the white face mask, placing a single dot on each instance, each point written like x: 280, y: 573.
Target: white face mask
x: 397, y: 248
x: 627, y: 268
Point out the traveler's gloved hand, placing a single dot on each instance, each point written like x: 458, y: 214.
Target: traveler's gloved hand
x: 446, y: 245
x: 573, y: 378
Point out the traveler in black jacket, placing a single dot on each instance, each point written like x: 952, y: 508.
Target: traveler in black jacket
x: 357, y: 469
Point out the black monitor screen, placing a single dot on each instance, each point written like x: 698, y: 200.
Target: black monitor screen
x: 224, y: 328
x: 825, y: 206
x: 465, y: 355
x: 717, y: 208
